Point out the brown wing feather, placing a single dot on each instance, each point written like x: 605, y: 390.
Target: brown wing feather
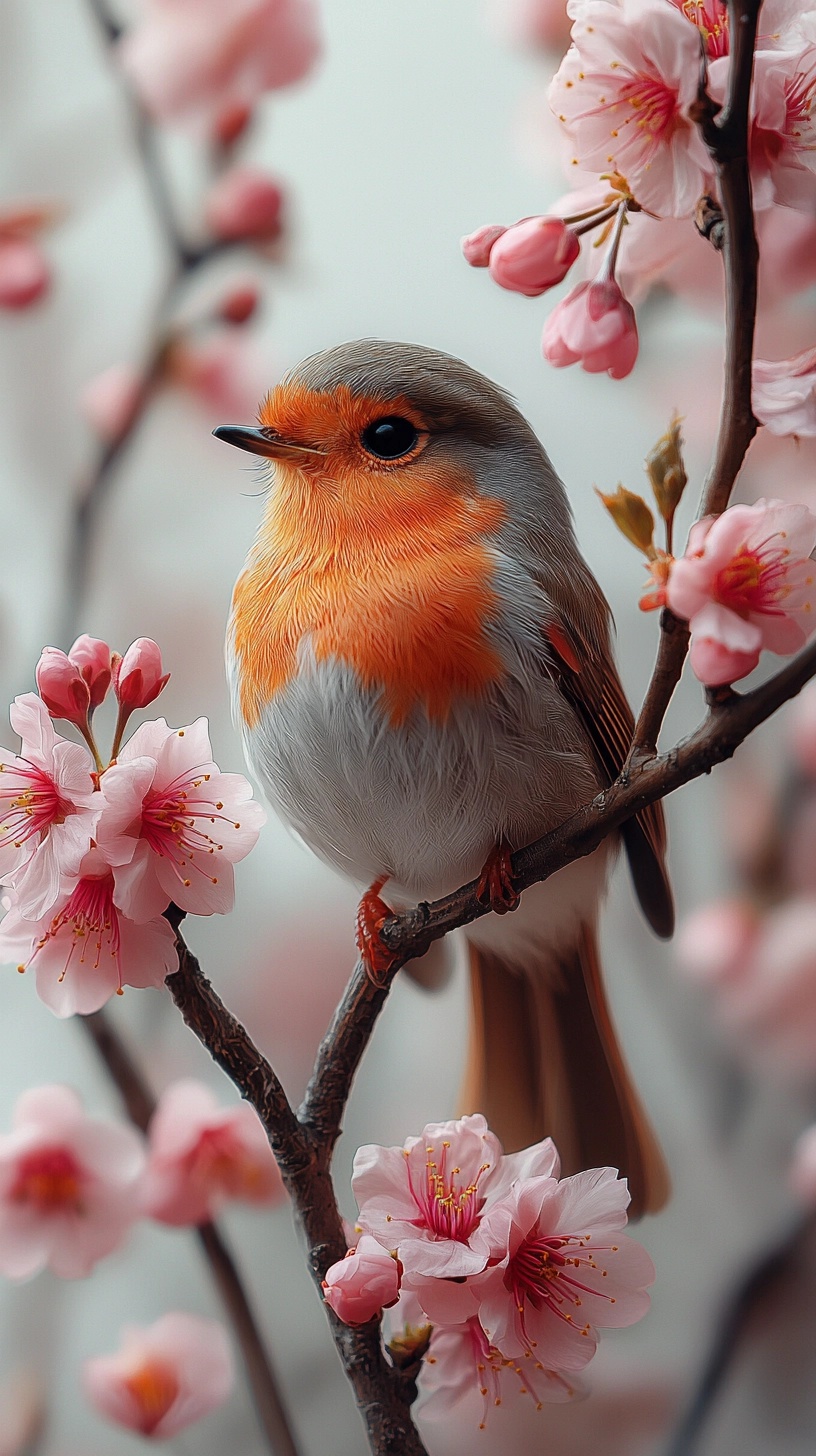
x: 597, y: 695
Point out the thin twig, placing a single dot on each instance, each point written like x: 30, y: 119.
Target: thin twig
x: 771, y: 1266
x: 726, y: 136
x: 140, y: 1105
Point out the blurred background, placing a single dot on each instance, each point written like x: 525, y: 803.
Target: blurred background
x: 417, y: 123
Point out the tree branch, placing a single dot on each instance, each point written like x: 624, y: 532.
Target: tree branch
x: 140, y: 1105
x: 726, y: 136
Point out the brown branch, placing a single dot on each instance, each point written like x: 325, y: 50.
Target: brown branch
x: 140, y: 1105
x: 726, y: 136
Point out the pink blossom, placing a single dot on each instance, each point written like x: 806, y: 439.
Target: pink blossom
x: 48, y: 808
x: 239, y: 303
x: 476, y: 246
x: 84, y: 949
x: 202, y: 1154
x: 62, y: 687
x: 714, y: 941
x: 190, y: 59
x: 783, y: 125
x: 744, y: 584
x: 222, y: 371
x: 461, y: 1360
x: 93, y: 658
x: 560, y: 1267
x: 802, y: 730
x: 623, y: 94
x: 364, y: 1283
x: 531, y: 23
x: 784, y: 392
x: 165, y: 1376
x: 769, y: 1009
x: 68, y: 1186
x: 594, y: 326
x: 802, y: 1176
x: 711, y: 19
x: 427, y: 1198
x: 244, y: 203
x: 533, y: 255
x: 111, y: 401
x: 138, y: 677
x: 174, y: 825
x: 25, y: 275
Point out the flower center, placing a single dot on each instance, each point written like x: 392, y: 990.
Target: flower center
x: 154, y: 1387
x: 450, y: 1207
x: 711, y: 19
x: 176, y: 824
x: 544, y: 1273
x: 91, y: 921
x: 29, y: 803
x: 654, y: 104
x: 753, y: 581
x: 219, y: 1161
x: 50, y: 1181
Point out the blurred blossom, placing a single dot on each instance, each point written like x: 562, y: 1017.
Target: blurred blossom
x: 715, y: 940
x: 240, y: 302
x: 363, y: 1284
x: 533, y: 255
x: 69, y: 1186
x: 803, y: 1168
x: 223, y: 372
x: 745, y: 583
x: 527, y: 23
x: 22, y: 1413
x: 784, y: 392
x: 197, y: 59
x: 165, y: 1376
x: 783, y: 134
x: 245, y: 204
x: 25, y: 275
x: 801, y: 724
x: 594, y: 326
x: 111, y: 400
x: 201, y: 1155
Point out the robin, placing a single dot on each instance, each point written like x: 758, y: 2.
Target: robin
x: 423, y: 679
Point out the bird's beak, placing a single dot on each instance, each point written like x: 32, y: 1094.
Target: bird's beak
x: 260, y: 440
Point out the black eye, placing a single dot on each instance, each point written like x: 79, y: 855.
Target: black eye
x: 390, y: 437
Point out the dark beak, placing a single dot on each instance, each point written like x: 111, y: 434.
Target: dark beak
x: 261, y: 441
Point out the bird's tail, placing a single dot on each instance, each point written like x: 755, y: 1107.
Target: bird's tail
x: 544, y: 1061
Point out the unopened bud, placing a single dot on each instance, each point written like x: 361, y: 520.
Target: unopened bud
x: 245, y: 204
x: 666, y: 471
x: 632, y: 517
x: 534, y: 255
x: 137, y: 677
x: 62, y: 687
x: 476, y: 246
x: 239, y: 304
x: 231, y: 123
x: 93, y: 659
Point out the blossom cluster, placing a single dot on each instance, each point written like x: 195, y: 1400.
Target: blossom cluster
x: 626, y: 98
x: 93, y: 852
x: 71, y: 1189
x: 501, y: 1268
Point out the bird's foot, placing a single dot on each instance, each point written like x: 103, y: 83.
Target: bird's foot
x: 372, y: 913
x: 495, y: 885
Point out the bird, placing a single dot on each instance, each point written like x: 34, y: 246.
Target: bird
x: 421, y: 671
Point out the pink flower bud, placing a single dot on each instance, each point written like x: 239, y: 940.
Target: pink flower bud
x: 24, y: 273
x: 476, y: 246
x: 245, y: 203
x: 137, y: 677
x: 110, y: 401
x: 62, y: 687
x: 93, y: 658
x: 239, y: 304
x: 362, y: 1284
x: 231, y: 123
x: 594, y: 326
x: 534, y: 255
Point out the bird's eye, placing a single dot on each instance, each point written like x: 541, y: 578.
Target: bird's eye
x: 390, y: 437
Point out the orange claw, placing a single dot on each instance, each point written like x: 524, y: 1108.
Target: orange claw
x: 495, y: 885
x: 372, y: 913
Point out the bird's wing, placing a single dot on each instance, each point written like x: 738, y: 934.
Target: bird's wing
x: 591, y: 684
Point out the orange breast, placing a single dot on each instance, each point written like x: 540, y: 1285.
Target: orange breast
x: 391, y: 576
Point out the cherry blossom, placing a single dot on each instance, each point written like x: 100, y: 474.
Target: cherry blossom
x: 48, y: 808
x: 111, y: 401
x: 361, y: 1285
x: 533, y: 255
x: 769, y: 1008
x: 715, y: 940
x: 68, y: 1186
x: 192, y: 59
x: 174, y: 825
x: 427, y: 1198
x: 564, y: 1268
x: 594, y: 326
x: 784, y: 393
x: 62, y: 687
x: 201, y: 1154
x: 165, y: 1377
x: 245, y: 204
x: 744, y: 584
x: 93, y: 658
x: 783, y: 126
x: 139, y: 676
x: 223, y: 372
x: 461, y: 1361
x: 531, y: 23
x: 84, y: 949
x: 623, y: 94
